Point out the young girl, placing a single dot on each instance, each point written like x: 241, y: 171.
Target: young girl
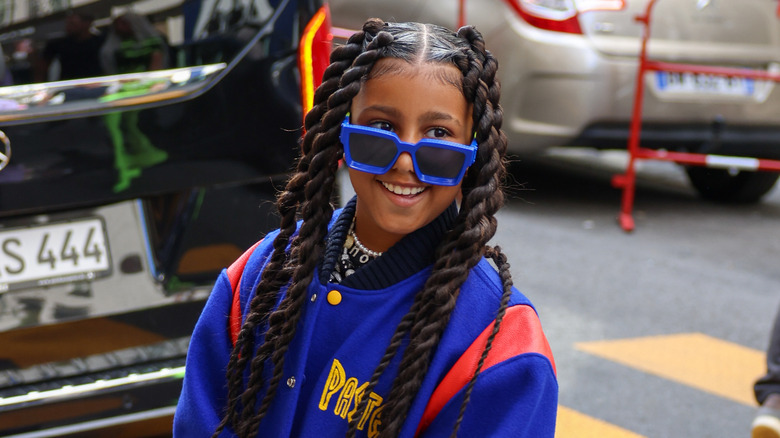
x: 384, y: 318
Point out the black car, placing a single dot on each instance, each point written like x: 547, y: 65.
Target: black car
x: 123, y: 195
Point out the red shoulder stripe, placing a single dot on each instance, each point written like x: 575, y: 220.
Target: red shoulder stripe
x: 521, y: 332
x: 234, y: 276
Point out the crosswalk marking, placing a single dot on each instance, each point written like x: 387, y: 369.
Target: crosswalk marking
x: 694, y: 359
x: 573, y: 424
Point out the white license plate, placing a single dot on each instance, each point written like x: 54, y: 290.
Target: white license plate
x: 697, y: 83
x: 53, y: 253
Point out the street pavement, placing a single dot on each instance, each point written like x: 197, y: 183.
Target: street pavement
x: 656, y: 333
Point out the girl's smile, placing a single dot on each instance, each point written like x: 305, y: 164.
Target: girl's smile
x: 414, y: 101
x: 401, y: 190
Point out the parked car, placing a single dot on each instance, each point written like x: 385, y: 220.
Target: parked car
x: 568, y: 74
x: 122, y: 196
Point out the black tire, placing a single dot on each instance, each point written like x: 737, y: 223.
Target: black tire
x: 722, y: 185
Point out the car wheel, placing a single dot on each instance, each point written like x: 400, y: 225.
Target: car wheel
x: 725, y: 185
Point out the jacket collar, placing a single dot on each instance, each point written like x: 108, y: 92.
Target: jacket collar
x: 410, y: 255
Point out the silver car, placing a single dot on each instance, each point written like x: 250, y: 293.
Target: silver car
x: 568, y: 74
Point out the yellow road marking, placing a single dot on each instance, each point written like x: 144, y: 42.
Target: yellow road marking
x: 694, y: 359
x: 573, y: 424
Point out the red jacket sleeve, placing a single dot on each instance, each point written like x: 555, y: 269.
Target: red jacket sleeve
x: 515, y: 393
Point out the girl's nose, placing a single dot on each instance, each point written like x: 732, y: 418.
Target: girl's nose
x: 404, y: 163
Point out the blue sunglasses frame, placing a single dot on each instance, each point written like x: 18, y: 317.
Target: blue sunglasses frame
x: 469, y: 153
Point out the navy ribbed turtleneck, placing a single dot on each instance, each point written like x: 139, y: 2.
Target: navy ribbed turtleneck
x: 404, y: 259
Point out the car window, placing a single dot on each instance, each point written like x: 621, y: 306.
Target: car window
x: 71, y: 56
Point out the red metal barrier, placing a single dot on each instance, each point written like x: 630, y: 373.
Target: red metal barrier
x: 627, y: 180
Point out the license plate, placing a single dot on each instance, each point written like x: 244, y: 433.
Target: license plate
x: 698, y: 83
x: 53, y: 253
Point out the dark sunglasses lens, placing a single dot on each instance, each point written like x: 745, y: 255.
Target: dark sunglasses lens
x: 370, y: 150
x: 438, y: 162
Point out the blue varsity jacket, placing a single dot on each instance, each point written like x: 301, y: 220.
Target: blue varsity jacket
x: 344, y: 331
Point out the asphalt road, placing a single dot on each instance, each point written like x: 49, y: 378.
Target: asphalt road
x: 698, y: 282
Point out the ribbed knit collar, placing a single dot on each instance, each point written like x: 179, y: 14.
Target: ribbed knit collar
x: 407, y: 257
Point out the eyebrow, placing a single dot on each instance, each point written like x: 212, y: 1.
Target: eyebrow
x: 429, y: 116
x: 389, y: 110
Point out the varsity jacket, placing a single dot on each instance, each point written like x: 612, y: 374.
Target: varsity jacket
x: 343, y: 333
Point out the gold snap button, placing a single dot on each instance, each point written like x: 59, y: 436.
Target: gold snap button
x: 334, y: 297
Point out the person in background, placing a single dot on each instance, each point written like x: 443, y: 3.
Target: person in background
x: 392, y: 316
x: 133, y: 45
x: 767, y: 389
x: 77, y: 52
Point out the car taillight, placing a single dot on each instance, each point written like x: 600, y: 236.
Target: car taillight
x: 561, y: 15
x: 314, y: 54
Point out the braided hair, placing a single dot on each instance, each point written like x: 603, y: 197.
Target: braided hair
x: 307, y: 196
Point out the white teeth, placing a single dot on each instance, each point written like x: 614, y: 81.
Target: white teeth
x: 398, y: 190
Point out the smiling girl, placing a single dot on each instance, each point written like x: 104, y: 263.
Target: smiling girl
x: 384, y: 318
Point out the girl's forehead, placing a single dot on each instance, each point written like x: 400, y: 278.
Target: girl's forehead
x: 437, y: 71
x: 407, y: 91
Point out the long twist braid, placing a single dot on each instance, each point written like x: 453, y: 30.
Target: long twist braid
x: 349, y: 87
x: 488, y: 119
x: 277, y: 272
x: 315, y: 177
x: 305, y: 254
x: 465, y: 244
x: 316, y: 211
x: 273, y: 278
x: 493, y: 203
x: 305, y: 250
x: 506, y: 280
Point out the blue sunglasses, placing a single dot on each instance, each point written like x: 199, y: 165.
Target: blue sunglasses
x: 375, y: 150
